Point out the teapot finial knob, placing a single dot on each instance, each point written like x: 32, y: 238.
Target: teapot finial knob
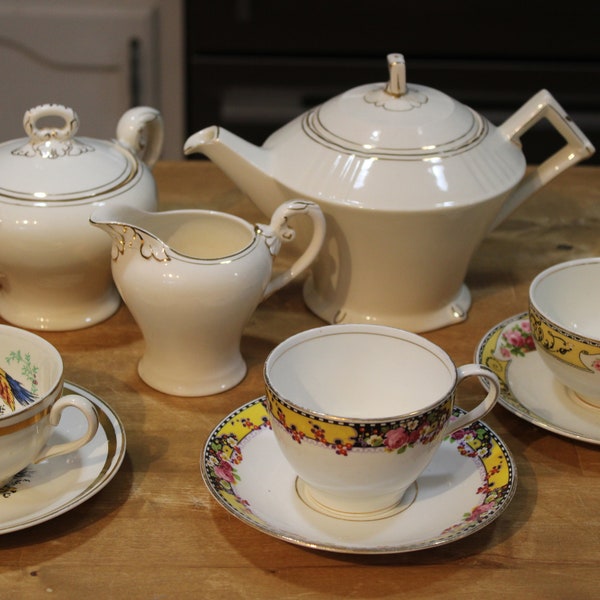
x: 397, y: 84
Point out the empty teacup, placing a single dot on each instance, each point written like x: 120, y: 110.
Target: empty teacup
x: 31, y: 402
x: 192, y: 279
x: 359, y: 412
x: 565, y: 323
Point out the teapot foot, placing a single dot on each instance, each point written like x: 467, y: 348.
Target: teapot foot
x: 417, y: 321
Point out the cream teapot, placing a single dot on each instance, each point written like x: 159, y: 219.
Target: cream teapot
x: 54, y: 268
x: 410, y: 182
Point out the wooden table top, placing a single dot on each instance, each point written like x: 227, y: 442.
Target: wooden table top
x: 155, y: 531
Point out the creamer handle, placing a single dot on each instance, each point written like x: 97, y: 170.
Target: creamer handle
x: 141, y: 130
x: 577, y: 147
x: 278, y: 231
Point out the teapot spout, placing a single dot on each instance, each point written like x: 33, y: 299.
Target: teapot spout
x: 247, y: 165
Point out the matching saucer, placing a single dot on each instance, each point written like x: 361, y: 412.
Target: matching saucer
x: 529, y: 389
x: 469, y: 483
x: 43, y: 491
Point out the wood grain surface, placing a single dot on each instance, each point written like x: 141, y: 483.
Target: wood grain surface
x: 155, y: 531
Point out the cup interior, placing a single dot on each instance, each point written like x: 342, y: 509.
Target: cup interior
x: 360, y: 372
x: 567, y: 296
x: 30, y: 368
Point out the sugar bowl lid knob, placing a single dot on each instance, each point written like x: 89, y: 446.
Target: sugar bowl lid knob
x: 69, y: 123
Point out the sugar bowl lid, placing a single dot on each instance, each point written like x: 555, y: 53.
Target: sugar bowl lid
x: 396, y: 120
x: 52, y: 165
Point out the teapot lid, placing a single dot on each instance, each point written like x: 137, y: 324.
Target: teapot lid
x: 395, y: 119
x: 54, y: 165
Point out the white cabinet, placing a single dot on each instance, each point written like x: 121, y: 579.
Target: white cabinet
x: 99, y: 57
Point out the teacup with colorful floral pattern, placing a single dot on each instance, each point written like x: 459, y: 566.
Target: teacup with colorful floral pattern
x: 360, y: 410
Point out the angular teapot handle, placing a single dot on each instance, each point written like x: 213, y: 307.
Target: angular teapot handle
x: 141, y: 130
x: 577, y: 147
x: 278, y: 231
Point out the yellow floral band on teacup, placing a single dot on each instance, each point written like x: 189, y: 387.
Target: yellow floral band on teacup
x: 393, y: 436
x: 564, y: 345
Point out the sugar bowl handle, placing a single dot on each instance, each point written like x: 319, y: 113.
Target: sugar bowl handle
x: 141, y: 129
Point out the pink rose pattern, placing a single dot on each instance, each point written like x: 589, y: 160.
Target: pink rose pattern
x: 477, y: 442
x: 397, y: 437
x: 224, y: 454
x: 393, y: 437
x: 516, y: 340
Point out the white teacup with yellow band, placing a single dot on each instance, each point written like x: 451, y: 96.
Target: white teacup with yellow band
x: 31, y: 402
x: 565, y: 324
x: 359, y: 411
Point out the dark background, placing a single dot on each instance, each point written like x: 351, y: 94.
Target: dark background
x: 253, y: 65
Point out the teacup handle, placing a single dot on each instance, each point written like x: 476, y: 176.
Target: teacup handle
x: 281, y: 232
x: 484, y: 407
x: 89, y: 412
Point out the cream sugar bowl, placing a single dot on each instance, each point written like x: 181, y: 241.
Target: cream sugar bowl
x: 55, y: 268
x: 410, y: 182
x: 563, y: 312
